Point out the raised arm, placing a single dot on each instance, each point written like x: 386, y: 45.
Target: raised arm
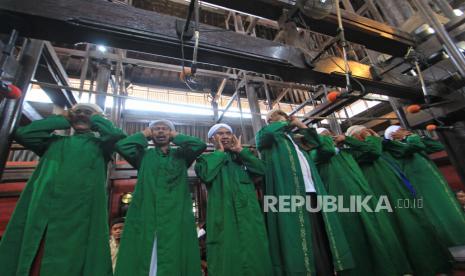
x: 133, y: 148
x: 366, y: 151
x: 253, y: 164
x: 189, y: 147
x: 208, y: 166
x: 109, y: 134
x: 310, y: 137
x: 267, y: 135
x: 37, y: 135
x: 431, y: 145
x: 398, y: 149
x: 325, y: 151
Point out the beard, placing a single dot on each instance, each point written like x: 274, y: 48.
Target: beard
x: 80, y: 123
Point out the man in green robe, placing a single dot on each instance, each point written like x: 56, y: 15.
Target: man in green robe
x: 301, y: 242
x: 425, y: 250
x: 374, y: 243
x: 159, y: 237
x: 237, y: 243
x: 62, y: 212
x: 410, y: 151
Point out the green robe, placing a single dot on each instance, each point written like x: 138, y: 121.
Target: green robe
x: 290, y: 233
x: 161, y: 207
x: 441, y: 206
x: 64, y: 201
x: 374, y: 243
x: 237, y: 243
x: 426, y: 252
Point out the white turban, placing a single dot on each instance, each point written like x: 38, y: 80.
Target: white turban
x: 271, y: 112
x: 215, y: 128
x: 92, y: 106
x: 389, y: 131
x: 321, y: 130
x: 354, y: 129
x: 165, y: 122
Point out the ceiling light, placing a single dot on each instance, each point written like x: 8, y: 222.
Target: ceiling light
x: 101, y: 48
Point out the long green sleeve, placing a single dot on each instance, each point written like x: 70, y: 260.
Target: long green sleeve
x: 415, y: 143
x: 267, y: 135
x: 37, y: 135
x: 108, y: 131
x: 366, y: 151
x: 432, y: 146
x: 208, y: 166
x: 133, y: 148
x: 190, y: 147
x: 253, y: 164
x: 325, y: 151
x: 399, y: 149
x: 310, y: 136
x: 109, y: 134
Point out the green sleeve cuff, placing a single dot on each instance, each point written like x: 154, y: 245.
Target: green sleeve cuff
x: 58, y: 122
x: 278, y: 126
x: 245, y: 152
x: 98, y: 118
x: 373, y: 139
x: 140, y: 138
x: 414, y: 138
x: 351, y: 140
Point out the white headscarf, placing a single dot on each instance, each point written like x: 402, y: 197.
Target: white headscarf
x: 165, y: 122
x: 321, y: 130
x: 92, y: 106
x: 214, y: 128
x: 389, y: 131
x: 354, y: 129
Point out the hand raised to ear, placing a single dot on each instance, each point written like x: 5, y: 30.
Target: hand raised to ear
x: 147, y: 132
x: 217, y: 143
x: 372, y: 132
x: 173, y: 134
x: 339, y: 139
x: 67, y: 114
x: 237, y: 145
x: 294, y: 121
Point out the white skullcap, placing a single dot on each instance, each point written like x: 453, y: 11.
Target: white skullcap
x: 389, y: 131
x: 92, y: 106
x: 321, y: 130
x: 165, y: 122
x: 214, y: 128
x: 354, y: 129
